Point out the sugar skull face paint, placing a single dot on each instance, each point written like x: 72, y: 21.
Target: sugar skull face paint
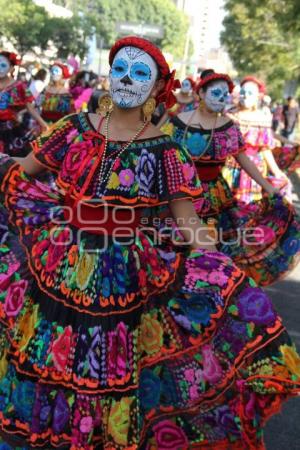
x: 186, y: 86
x: 132, y: 77
x: 249, y: 95
x: 56, y: 73
x: 4, y: 66
x: 216, y: 96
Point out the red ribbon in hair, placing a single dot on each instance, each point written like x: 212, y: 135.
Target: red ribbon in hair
x: 12, y: 57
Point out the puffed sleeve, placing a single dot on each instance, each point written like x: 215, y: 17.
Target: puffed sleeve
x: 51, y: 147
x: 177, y: 175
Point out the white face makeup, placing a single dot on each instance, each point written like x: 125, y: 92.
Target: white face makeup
x: 4, y: 66
x: 56, y: 73
x: 249, y: 95
x: 132, y: 77
x: 216, y: 96
x: 186, y: 86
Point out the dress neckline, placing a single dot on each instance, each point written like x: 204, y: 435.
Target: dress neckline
x: 182, y: 124
x: 92, y: 127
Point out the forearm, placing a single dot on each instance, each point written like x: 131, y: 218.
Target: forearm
x: 272, y: 164
x: 252, y: 171
x: 29, y: 164
x: 33, y: 112
x: 195, y: 233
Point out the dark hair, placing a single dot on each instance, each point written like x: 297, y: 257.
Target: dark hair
x: 205, y: 73
x: 289, y: 99
x: 40, y: 75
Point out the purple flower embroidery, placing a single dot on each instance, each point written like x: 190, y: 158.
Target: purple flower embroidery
x: 61, y: 413
x: 207, y: 263
x: 126, y: 177
x: 225, y: 419
x: 255, y: 306
x: 145, y: 170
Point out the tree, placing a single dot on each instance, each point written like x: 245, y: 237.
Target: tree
x: 106, y: 13
x: 27, y: 26
x: 260, y: 41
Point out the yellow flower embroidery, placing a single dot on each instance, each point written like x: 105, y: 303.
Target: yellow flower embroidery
x: 119, y: 420
x: 3, y: 366
x: 291, y: 359
x: 114, y: 181
x: 84, y: 270
x: 26, y: 327
x: 151, y: 335
x: 167, y: 128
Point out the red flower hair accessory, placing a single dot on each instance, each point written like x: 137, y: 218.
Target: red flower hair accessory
x: 259, y: 83
x: 215, y: 77
x: 166, y: 95
x: 64, y: 68
x: 14, y: 59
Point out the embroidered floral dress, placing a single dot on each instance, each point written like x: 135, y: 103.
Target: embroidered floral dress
x: 263, y: 237
x: 257, y: 138
x: 134, y: 345
x: 14, y: 137
x: 55, y: 106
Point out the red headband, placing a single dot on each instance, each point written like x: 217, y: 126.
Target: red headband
x: 192, y: 81
x: 14, y: 59
x: 64, y: 68
x: 166, y: 95
x: 260, y: 84
x: 215, y: 77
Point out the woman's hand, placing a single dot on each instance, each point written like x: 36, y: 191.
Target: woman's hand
x: 195, y: 233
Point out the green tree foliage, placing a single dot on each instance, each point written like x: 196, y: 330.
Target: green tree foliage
x: 27, y: 26
x: 261, y: 38
x: 106, y: 13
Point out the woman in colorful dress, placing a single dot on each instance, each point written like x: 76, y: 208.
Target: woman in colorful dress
x: 57, y: 101
x: 186, y: 100
x: 211, y: 137
x: 259, y: 141
x: 14, y: 97
x: 111, y: 339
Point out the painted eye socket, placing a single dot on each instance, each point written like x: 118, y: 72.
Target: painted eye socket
x: 3, y: 65
x: 119, y: 68
x: 216, y: 92
x: 140, y: 72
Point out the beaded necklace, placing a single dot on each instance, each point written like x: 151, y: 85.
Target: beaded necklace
x: 105, y: 179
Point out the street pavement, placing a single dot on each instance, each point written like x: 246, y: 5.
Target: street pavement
x: 283, y: 430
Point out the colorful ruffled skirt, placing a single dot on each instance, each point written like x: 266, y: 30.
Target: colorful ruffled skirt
x: 135, y: 346
x: 262, y: 237
x: 286, y: 156
x: 243, y: 187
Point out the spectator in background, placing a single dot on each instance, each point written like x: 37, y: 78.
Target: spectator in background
x: 277, y: 116
x: 290, y: 117
x: 38, y: 83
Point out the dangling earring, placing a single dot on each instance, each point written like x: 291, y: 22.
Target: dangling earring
x: 201, y: 104
x: 149, y: 108
x: 105, y: 105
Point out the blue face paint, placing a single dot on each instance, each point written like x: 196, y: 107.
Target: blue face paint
x: 119, y: 68
x: 132, y: 77
x: 140, y: 72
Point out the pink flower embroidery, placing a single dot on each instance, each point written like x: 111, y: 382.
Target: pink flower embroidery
x: 15, y: 297
x: 194, y: 392
x: 188, y: 171
x: 5, y: 277
x: 61, y: 349
x: 86, y: 424
x: 74, y: 158
x: 218, y: 278
x: 189, y: 375
x: 169, y: 436
x: 126, y: 177
x: 212, y: 371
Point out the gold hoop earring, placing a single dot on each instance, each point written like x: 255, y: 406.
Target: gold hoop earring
x: 105, y: 105
x: 201, y: 103
x: 149, y: 108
